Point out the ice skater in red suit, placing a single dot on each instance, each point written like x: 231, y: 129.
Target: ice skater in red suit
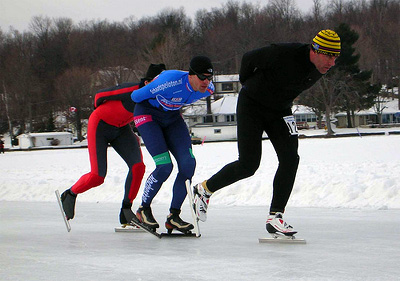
x: 109, y: 124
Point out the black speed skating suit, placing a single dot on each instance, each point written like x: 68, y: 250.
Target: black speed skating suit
x: 272, y: 78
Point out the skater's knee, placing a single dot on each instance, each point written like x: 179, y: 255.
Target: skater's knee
x: 95, y: 180
x: 87, y: 182
x: 163, y: 171
x: 295, y: 160
x: 187, y: 167
x: 163, y: 166
x: 289, y: 159
x: 247, y: 170
x: 248, y: 173
x: 138, y: 169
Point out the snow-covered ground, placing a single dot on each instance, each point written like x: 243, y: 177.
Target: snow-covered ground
x: 346, y: 203
x: 352, y: 172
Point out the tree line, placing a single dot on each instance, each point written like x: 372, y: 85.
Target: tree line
x: 58, y: 64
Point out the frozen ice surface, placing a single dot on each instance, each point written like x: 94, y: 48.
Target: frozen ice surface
x: 342, y: 244
x: 345, y: 203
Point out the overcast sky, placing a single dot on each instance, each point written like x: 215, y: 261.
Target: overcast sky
x: 18, y: 13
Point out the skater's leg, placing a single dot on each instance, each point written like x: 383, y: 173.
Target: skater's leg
x: 179, y: 143
x: 153, y: 137
x: 286, y: 146
x: 127, y: 145
x: 249, y: 133
x: 97, y: 147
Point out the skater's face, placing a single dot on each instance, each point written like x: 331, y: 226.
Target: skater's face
x: 322, y: 62
x: 200, y: 82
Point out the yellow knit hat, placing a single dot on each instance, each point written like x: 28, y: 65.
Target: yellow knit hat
x: 327, y: 42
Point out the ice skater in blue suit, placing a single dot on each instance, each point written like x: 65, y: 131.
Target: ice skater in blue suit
x: 160, y: 124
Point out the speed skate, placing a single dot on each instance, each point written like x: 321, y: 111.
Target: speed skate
x: 280, y: 238
x: 67, y: 225
x: 192, y: 208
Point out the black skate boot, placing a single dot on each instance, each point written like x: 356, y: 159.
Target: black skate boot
x: 68, y: 199
x: 175, y: 222
x: 146, y: 217
x: 126, y: 214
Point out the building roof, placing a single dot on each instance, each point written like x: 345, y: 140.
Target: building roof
x: 225, y: 105
x: 226, y: 78
x: 48, y: 134
x: 301, y: 109
x: 390, y: 107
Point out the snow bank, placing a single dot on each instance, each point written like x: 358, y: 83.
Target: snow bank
x: 342, y: 172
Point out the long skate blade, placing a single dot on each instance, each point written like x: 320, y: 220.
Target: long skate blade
x: 67, y: 225
x: 145, y: 228
x: 282, y: 239
x: 128, y: 228
x: 192, y: 211
x: 178, y: 235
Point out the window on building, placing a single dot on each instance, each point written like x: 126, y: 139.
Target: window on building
x: 217, y: 131
x: 386, y: 118
x: 311, y: 118
x: 208, y: 119
x: 306, y: 118
x: 230, y: 118
x: 226, y: 87
x: 397, y: 117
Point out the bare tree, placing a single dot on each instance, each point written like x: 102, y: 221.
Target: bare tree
x: 380, y: 104
x: 285, y: 9
x: 74, y: 88
x: 171, y: 41
x: 30, y: 63
x: 317, y: 12
x: 19, y: 83
x: 331, y: 90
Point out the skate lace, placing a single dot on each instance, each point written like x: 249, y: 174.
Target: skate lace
x: 202, y: 208
x: 204, y: 205
x: 287, y: 226
x: 279, y: 221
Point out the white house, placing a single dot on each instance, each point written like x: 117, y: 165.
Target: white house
x: 390, y: 115
x: 227, y: 84
x: 215, y: 131
x: 32, y: 140
x: 305, y: 117
x: 223, y: 125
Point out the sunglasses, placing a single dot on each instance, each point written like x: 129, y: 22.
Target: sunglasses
x: 202, y: 77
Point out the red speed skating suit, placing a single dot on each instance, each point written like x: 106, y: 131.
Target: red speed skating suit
x: 109, y: 125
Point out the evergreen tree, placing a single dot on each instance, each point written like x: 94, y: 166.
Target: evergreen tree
x: 359, y: 93
x: 50, y: 126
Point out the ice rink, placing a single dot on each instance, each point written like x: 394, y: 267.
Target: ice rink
x: 345, y: 203
x: 342, y: 244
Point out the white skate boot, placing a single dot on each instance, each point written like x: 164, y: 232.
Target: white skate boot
x: 277, y: 226
x: 200, y: 201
